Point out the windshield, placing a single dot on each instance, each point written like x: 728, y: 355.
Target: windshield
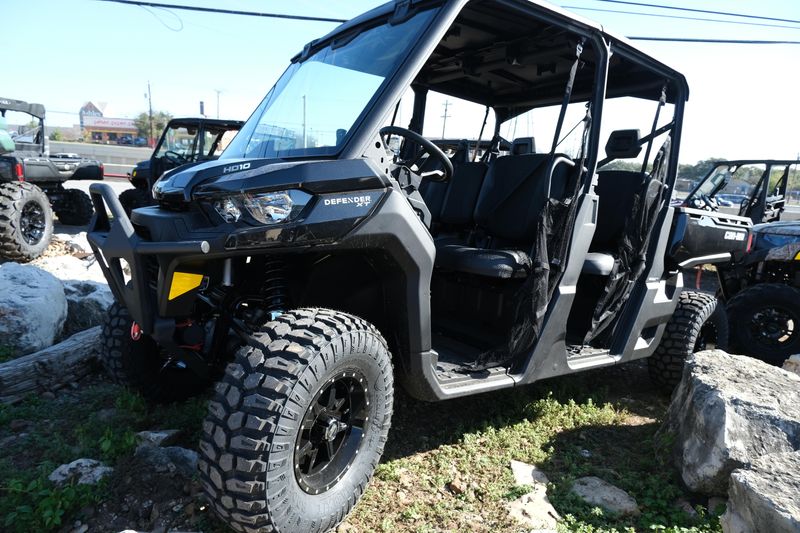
x: 313, y: 106
x: 716, y: 181
x: 178, y: 140
x: 727, y: 186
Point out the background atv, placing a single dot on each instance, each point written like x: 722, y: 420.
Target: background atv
x: 760, y: 287
x: 753, y: 188
x: 304, y: 271
x: 31, y: 184
x: 183, y: 141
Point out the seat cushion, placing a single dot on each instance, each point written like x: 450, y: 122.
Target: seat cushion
x: 597, y: 263
x: 489, y: 262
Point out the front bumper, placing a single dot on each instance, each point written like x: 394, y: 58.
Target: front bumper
x: 116, y: 245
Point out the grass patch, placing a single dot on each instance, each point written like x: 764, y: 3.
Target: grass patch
x: 568, y: 427
x: 98, y: 422
x: 446, y: 466
x: 6, y: 354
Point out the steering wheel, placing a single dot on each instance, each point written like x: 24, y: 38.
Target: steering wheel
x: 174, y: 157
x: 427, y: 148
x: 708, y: 202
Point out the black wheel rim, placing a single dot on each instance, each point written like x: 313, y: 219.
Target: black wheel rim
x: 331, y: 432
x: 707, y: 340
x: 32, y: 223
x: 774, y: 326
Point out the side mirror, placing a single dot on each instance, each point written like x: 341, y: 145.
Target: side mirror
x: 623, y: 144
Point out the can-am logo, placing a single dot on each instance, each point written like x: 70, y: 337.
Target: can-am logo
x: 359, y: 201
x: 235, y: 168
x: 734, y: 236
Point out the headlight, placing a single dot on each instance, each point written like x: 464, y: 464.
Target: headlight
x: 265, y: 208
x: 228, y: 210
x: 270, y: 207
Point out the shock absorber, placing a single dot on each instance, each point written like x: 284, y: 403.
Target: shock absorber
x: 274, y: 289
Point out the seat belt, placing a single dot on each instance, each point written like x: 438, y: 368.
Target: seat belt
x: 567, y: 94
x: 661, y: 103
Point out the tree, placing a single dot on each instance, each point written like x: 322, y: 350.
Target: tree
x: 56, y: 136
x: 142, y: 122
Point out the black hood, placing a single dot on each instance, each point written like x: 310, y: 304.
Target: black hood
x: 233, y: 176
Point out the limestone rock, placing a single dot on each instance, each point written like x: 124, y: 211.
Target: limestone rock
x: 727, y: 411
x: 163, y: 437
x: 66, y: 267
x: 33, y: 308
x: 87, y: 303
x: 525, y: 474
x: 85, y: 471
x: 792, y: 364
x: 533, y: 510
x: 599, y: 493
x: 764, y: 497
x: 171, y: 459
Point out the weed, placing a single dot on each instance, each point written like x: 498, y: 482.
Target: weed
x: 7, y: 353
x: 38, y: 505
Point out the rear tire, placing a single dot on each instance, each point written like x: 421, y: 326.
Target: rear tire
x: 698, y: 323
x: 766, y: 319
x: 26, y: 221
x: 140, y: 364
x: 75, y: 208
x: 133, y: 199
x: 298, y: 423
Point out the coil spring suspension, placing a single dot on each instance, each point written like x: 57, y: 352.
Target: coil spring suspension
x: 274, y: 289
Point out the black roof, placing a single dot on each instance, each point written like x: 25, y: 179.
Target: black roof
x: 515, y: 55
x: 209, y: 123
x: 9, y: 104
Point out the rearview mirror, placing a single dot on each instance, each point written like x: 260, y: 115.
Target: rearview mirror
x: 623, y: 144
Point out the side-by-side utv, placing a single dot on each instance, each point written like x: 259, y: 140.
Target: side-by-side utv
x: 32, y: 183
x: 300, y: 271
x: 761, y: 288
x: 184, y: 141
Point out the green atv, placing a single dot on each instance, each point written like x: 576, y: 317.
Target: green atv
x: 31, y: 184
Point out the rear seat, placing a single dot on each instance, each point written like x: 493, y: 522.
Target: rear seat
x: 616, y: 191
x: 511, y: 199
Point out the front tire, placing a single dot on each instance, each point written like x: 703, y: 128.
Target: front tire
x: 767, y: 322
x: 74, y: 208
x: 298, y: 423
x: 26, y: 221
x: 698, y: 323
x: 141, y: 364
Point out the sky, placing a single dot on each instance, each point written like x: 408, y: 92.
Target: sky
x: 62, y: 53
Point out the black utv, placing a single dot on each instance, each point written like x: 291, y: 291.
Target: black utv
x: 184, y: 141
x: 760, y: 285
x: 32, y: 183
x: 300, y: 273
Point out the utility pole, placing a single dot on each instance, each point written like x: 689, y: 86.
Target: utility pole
x: 446, y: 104
x: 217, y: 91
x: 150, y: 107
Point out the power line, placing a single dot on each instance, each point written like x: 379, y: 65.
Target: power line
x: 699, y: 19
x: 634, y: 38
x: 224, y: 11
x: 708, y: 12
x: 718, y: 41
